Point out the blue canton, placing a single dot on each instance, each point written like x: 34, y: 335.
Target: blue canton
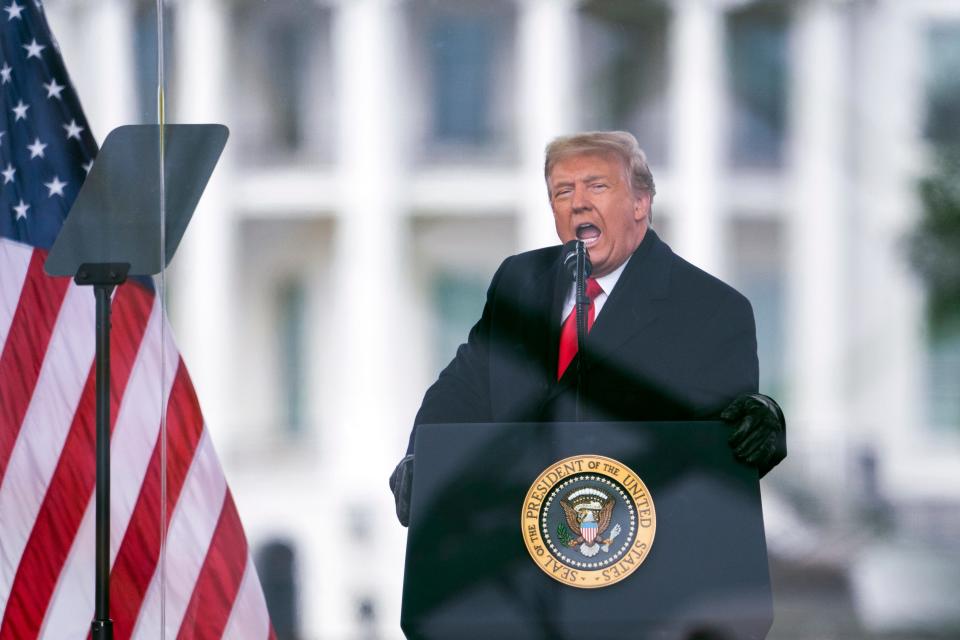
x: 46, y: 147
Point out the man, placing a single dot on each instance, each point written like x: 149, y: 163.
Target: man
x: 667, y: 341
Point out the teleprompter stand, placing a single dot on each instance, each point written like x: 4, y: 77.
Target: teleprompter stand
x: 469, y: 574
x: 115, y: 230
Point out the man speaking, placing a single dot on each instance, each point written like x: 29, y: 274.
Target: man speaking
x: 666, y: 340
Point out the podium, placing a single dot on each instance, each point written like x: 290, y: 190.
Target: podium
x: 490, y: 553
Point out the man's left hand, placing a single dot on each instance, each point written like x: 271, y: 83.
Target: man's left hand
x: 759, y: 436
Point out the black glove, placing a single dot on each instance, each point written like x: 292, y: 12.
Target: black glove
x: 401, y: 483
x: 759, y: 437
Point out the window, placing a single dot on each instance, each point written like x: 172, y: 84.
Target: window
x: 457, y: 302
x: 943, y: 378
x: 757, y: 62
x: 758, y: 273
x: 941, y: 202
x: 942, y: 124
x: 461, y: 51
x: 623, y: 71
x: 456, y: 256
x: 291, y: 333
x: 462, y: 65
x: 276, y: 563
x: 283, y: 99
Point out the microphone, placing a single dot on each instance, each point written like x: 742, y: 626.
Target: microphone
x: 570, y: 251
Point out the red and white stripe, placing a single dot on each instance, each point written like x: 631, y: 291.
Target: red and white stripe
x: 47, y: 473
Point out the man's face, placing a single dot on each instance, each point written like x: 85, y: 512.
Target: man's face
x: 592, y: 201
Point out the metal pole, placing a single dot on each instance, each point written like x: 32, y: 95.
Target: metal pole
x: 102, y: 626
x: 581, y: 305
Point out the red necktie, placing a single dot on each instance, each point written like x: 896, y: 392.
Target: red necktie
x: 568, y: 333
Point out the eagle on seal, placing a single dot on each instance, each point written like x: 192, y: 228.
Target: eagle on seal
x: 588, y: 513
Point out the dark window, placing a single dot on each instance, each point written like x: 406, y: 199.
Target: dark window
x: 943, y: 379
x: 276, y: 564
x: 757, y: 62
x: 462, y: 70
x: 291, y: 333
x: 458, y: 302
x: 942, y: 124
x: 460, y: 57
x: 283, y: 62
x: 623, y: 71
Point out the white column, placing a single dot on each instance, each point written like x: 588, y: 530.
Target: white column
x: 201, y: 283
x: 816, y: 321
x: 369, y: 325
x: 697, y: 71
x: 547, y: 61
x: 888, y: 343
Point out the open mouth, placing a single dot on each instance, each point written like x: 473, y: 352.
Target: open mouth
x: 589, y: 233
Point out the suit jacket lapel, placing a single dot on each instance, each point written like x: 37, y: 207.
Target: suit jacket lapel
x: 636, y: 299
x: 633, y: 304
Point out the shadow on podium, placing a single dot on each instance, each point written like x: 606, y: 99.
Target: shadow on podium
x: 469, y: 574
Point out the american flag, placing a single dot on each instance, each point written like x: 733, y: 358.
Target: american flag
x: 211, y: 589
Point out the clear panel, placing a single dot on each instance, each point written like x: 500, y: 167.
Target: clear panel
x: 384, y: 158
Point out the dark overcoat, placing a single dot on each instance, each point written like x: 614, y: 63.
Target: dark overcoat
x: 670, y: 343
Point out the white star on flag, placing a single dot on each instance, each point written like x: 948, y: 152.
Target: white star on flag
x: 34, y: 49
x: 73, y: 130
x: 36, y: 149
x: 53, y: 89
x: 20, y: 111
x: 55, y: 187
x: 21, y: 209
x: 8, y: 174
x: 14, y: 11
x: 5, y: 71
x: 87, y: 166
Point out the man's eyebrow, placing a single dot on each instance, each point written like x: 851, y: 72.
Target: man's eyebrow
x: 569, y: 181
x: 595, y: 177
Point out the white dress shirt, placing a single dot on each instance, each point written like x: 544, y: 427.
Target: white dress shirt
x: 606, y: 283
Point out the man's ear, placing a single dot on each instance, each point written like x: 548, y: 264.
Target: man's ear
x: 641, y: 206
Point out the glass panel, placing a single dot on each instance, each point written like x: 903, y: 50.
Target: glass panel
x: 757, y: 61
x: 369, y: 190
x: 623, y: 71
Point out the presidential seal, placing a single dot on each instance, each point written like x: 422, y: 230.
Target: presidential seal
x: 588, y: 521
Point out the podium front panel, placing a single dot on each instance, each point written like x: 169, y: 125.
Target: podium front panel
x: 469, y: 574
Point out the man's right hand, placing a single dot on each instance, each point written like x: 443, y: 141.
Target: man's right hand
x: 401, y: 483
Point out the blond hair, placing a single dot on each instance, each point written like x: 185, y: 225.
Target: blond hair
x: 618, y: 143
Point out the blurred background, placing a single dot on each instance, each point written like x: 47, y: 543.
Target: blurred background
x: 386, y: 156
